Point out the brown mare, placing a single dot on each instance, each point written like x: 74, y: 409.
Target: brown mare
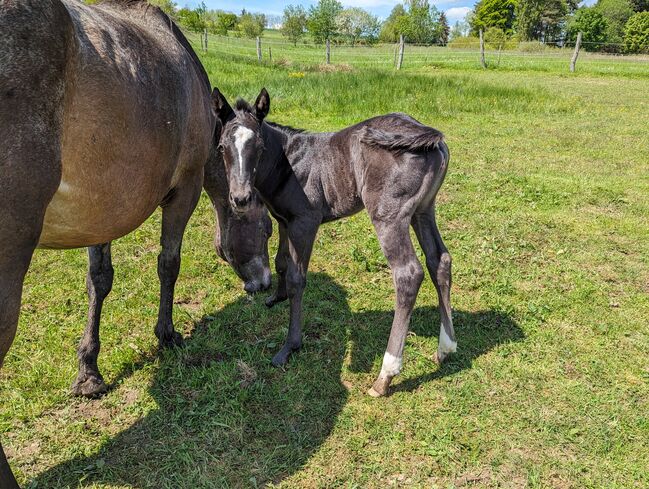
x: 391, y: 165
x: 105, y: 114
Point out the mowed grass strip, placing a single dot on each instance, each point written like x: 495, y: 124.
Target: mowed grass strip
x: 545, y: 211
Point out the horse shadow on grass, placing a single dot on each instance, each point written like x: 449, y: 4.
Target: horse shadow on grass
x: 224, y: 417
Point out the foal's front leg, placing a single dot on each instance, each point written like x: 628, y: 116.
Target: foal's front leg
x: 407, y: 274
x: 281, y: 266
x: 301, y: 235
x: 99, y: 283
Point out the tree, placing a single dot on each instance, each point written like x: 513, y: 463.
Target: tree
x: 294, y: 22
x: 193, y: 19
x: 541, y: 20
x: 616, y: 13
x: 640, y: 5
x: 460, y: 29
x: 251, y: 25
x: 322, y: 19
x: 494, y: 13
x: 394, y: 25
x: 636, y: 33
x: 225, y: 22
x: 355, y: 23
x: 443, y: 30
x: 495, y: 38
x: 167, y: 6
x: 592, y: 25
x: 421, y: 22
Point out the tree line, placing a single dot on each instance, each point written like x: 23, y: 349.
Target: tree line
x: 608, y: 25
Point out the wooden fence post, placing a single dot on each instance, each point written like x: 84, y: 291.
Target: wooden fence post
x: 205, y: 32
x: 270, y: 55
x: 328, y: 52
x: 573, y: 61
x: 482, y: 60
x: 258, y: 49
x: 401, y: 48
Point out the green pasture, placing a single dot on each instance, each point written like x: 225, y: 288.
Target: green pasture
x: 545, y: 210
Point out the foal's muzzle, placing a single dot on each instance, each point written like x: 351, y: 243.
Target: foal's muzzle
x: 240, y: 201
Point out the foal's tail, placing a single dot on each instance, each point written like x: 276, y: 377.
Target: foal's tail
x: 413, y: 139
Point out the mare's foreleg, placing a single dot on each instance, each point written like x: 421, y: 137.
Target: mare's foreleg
x: 438, y: 262
x: 99, y: 283
x: 281, y: 265
x: 300, y: 243
x: 175, y: 214
x: 407, y: 275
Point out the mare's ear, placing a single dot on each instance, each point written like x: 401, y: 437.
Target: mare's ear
x: 262, y: 105
x: 221, y: 106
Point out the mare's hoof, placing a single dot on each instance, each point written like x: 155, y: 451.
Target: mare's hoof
x: 274, y: 299
x: 281, y: 357
x: 380, y: 388
x: 175, y: 340
x: 89, y: 386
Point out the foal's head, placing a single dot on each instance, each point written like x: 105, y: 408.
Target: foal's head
x: 241, y: 144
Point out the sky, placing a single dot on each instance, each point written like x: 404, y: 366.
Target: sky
x: 455, y: 9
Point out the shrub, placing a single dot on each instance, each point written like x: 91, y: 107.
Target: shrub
x: 464, y: 42
x: 636, y: 33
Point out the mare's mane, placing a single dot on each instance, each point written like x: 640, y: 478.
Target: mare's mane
x: 178, y: 34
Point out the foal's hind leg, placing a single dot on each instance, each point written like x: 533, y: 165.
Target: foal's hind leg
x: 438, y: 262
x: 99, y: 283
x: 175, y: 215
x: 407, y: 274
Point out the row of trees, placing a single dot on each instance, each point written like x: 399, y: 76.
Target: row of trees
x: 609, y: 25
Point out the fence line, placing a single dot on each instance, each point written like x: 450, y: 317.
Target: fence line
x: 394, y: 55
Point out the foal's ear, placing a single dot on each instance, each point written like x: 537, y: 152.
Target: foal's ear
x: 221, y: 106
x: 262, y: 105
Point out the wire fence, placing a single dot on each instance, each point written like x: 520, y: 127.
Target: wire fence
x: 533, y: 56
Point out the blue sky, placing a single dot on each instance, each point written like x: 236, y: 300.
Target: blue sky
x: 455, y: 9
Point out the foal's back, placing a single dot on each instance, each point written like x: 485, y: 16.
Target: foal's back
x: 387, y: 164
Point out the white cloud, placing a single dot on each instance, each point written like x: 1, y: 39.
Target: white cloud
x: 457, y: 13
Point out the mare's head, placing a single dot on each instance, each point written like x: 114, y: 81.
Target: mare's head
x: 241, y: 145
x: 241, y: 237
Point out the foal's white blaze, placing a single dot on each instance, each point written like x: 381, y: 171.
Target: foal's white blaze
x: 446, y: 344
x: 391, y: 365
x: 241, y: 136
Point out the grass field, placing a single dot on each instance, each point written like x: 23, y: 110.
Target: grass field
x: 546, y: 212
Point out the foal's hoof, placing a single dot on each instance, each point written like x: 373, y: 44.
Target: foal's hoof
x: 271, y: 300
x: 440, y: 358
x: 380, y: 388
x: 89, y: 386
x: 176, y: 339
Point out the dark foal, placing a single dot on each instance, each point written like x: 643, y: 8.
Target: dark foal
x: 392, y: 165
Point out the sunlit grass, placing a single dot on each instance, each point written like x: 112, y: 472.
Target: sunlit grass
x: 545, y: 211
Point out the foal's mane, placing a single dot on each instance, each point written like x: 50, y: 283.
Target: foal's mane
x: 243, y: 106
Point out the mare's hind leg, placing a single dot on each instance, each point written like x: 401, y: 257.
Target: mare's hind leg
x: 281, y: 265
x: 175, y: 214
x: 99, y: 283
x: 438, y: 262
x: 407, y: 275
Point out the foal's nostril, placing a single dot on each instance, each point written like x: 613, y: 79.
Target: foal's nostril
x: 241, y: 201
